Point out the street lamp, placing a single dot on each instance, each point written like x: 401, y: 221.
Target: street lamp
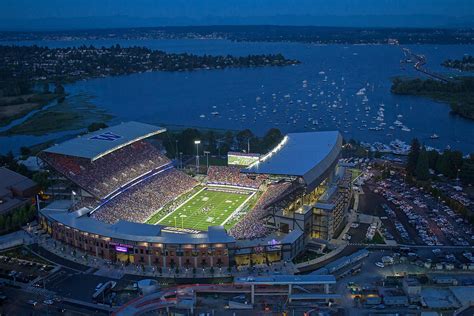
x: 197, y: 142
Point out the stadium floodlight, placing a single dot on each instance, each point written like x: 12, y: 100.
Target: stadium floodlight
x: 197, y: 142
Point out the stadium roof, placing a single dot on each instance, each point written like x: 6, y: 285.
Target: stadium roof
x: 102, y: 142
x: 308, y: 155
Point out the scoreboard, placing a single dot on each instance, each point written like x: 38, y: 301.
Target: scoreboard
x: 241, y: 159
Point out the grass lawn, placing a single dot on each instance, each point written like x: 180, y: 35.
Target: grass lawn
x: 207, y: 208
x: 378, y: 239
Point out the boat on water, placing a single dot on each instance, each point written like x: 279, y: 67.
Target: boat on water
x: 400, y: 147
x: 376, y: 128
x: 361, y: 92
x: 380, y: 147
x: 434, y: 136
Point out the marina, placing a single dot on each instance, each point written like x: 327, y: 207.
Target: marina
x: 332, y: 88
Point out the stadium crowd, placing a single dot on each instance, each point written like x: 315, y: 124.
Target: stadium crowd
x: 230, y: 175
x: 107, y: 174
x: 252, y: 225
x: 140, y: 202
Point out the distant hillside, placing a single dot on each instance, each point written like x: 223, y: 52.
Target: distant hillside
x: 429, y: 21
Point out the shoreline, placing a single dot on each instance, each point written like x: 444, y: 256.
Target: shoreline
x: 75, y: 113
x: 36, y: 105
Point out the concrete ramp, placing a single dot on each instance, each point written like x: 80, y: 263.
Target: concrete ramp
x: 237, y: 305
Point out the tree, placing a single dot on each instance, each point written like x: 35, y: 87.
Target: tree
x: 25, y: 151
x: 2, y: 222
x: 442, y: 163
x: 243, y: 137
x: 413, y: 157
x: 59, y: 89
x: 467, y: 171
x: 96, y: 126
x: 455, y: 162
x: 186, y: 140
x: 422, y: 166
x: 433, y: 156
x: 16, y: 219
x: 42, y: 179
x: 8, y: 222
x: 210, y: 136
x: 271, y: 139
x: 46, y: 88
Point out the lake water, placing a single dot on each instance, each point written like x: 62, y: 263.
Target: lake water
x: 318, y: 94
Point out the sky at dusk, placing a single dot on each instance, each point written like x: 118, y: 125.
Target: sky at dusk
x: 200, y: 11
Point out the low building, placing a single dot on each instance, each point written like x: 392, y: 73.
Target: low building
x: 444, y: 280
x: 394, y: 297
x: 15, y: 190
x: 411, y: 286
x: 395, y: 300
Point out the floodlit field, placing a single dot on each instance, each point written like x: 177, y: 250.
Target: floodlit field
x: 207, y: 208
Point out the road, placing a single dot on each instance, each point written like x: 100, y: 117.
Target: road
x: 17, y: 304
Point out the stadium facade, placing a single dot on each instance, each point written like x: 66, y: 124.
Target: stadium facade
x: 318, y: 205
x: 106, y: 186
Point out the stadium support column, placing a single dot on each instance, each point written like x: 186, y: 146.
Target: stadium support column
x: 290, y: 291
x: 252, y: 293
x: 207, y: 159
x: 197, y: 142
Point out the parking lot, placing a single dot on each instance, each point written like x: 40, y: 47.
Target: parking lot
x: 19, y: 267
x: 413, y: 216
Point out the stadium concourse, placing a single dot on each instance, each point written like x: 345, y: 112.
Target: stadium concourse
x: 116, y: 195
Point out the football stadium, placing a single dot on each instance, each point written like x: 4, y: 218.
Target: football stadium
x: 115, y: 194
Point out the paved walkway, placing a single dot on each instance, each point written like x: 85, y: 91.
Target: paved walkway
x: 14, y: 239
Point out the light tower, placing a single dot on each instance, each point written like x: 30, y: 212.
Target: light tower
x: 197, y: 142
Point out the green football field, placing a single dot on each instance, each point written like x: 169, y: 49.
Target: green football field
x: 207, y: 208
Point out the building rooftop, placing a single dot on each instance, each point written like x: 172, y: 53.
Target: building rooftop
x: 308, y: 155
x: 287, y: 279
x: 102, y: 142
x: 12, y: 180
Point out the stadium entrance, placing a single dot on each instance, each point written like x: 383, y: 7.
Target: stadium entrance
x: 263, y: 258
x: 124, y: 257
x: 123, y: 253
